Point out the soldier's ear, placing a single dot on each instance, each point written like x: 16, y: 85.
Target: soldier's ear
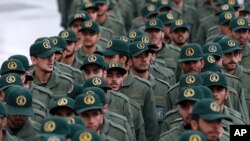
x: 33, y: 60
x: 194, y: 124
x: 99, y: 36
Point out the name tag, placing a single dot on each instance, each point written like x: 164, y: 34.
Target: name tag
x: 159, y: 113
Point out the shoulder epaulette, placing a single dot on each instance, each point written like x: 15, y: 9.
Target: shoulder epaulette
x: 175, y: 48
x: 70, y: 67
x: 170, y: 112
x: 113, y: 114
x: 143, y: 80
x: 234, y: 113
x: 163, y: 82
x: 39, y: 88
x: 117, y: 126
x: 36, y: 125
x: 119, y: 94
x: 169, y: 131
x: 174, y: 86
x: 232, y: 76
x: 65, y: 77
x: 202, y: 20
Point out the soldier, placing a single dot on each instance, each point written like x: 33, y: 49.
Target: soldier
x: 231, y: 57
x: 169, y: 54
x: 19, y: 110
x: 180, y: 31
x: 90, y: 35
x: 215, y: 50
x: 63, y: 7
x: 75, y: 23
x: 63, y: 106
x: 217, y: 83
x: 115, y: 76
x: 104, y: 19
x: 60, y: 45
x: 140, y: 60
x: 43, y: 58
x: 118, y: 51
x: 207, y: 117
x: 239, y: 27
x: 69, y: 53
x: 187, y: 97
x: 90, y: 108
x: 244, y: 11
x: 166, y: 19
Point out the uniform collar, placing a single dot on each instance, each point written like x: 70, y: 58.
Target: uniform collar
x: 129, y: 79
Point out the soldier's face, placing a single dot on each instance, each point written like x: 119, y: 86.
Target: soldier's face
x: 230, y: 60
x: 185, y: 110
x: 114, y: 80
x: 180, y: 36
x: 156, y: 36
x: 93, y: 119
x: 240, y: 35
x: 220, y: 94
x: 91, y: 71
x: 44, y: 64
x: 90, y: 38
x: 225, y: 30
x: 16, y: 121
x: 102, y: 9
x: 64, y: 112
x: 212, y: 129
x: 70, y: 49
x: 92, y: 14
x: 76, y: 26
x: 192, y: 66
x: 141, y: 62
x: 166, y: 30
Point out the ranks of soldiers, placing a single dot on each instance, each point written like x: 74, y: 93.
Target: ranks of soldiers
x: 132, y: 70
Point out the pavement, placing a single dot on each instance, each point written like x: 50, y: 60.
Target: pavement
x: 23, y: 21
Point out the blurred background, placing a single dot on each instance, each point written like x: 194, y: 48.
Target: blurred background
x: 23, y: 21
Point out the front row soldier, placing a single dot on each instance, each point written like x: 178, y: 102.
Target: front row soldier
x: 19, y: 110
x: 90, y: 108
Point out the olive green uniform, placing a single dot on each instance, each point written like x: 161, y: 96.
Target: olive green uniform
x: 77, y: 63
x: 141, y: 91
x: 114, y: 25
x: 160, y: 89
x: 203, y: 11
x: 106, y: 32
x: 80, y: 54
x: 64, y: 69
x: 138, y: 121
x: 121, y: 120
x: 246, y: 56
x: 59, y: 84
x: 114, y: 130
x: 169, y: 117
x: 126, y: 12
x: 28, y: 130
x: 137, y: 23
x: 8, y: 137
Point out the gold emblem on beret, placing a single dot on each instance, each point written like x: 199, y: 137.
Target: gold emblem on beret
x: 212, y: 48
x: 145, y: 40
x: 189, y: 92
x: 88, y: 24
x: 151, y: 7
x: 178, y: 22
x: 164, y: 2
x: 46, y: 43
x: 109, y: 44
x: 140, y: 45
x: 242, y: 7
x: 215, y: 106
x: 231, y: 43
x: 189, y: 52
x: 62, y: 101
x: 12, y: 65
x: 225, y: 7
x: 97, y: 81
x: 20, y: 100
x: 190, y: 79
x: 152, y: 23
x: 10, y: 79
x: 53, y: 138
x: 70, y: 120
x: 231, y: 2
x: 124, y: 38
x: 65, y: 34
x: 85, y: 136
x: 92, y: 58
x: 88, y: 4
x: 89, y: 99
x: 49, y: 126
x: 228, y: 16
x: 154, y: 1
x: 132, y: 35
x: 55, y: 41
x: 241, y: 22
x: 210, y: 59
x: 194, y: 138
x: 78, y: 15
x: 214, y: 78
x: 170, y: 16
x: 113, y: 65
